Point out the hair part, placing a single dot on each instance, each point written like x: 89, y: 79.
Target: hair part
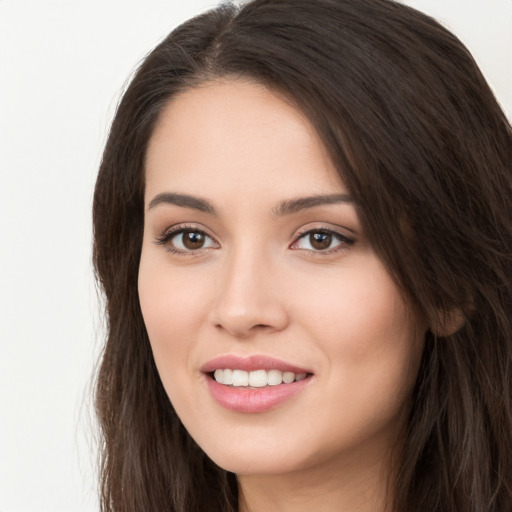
x: 423, y: 147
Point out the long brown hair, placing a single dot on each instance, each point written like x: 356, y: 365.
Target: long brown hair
x: 423, y: 147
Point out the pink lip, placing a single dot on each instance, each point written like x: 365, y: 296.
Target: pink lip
x: 252, y: 400
x: 249, y: 364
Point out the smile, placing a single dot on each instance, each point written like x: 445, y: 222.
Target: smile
x: 254, y: 384
x: 256, y: 378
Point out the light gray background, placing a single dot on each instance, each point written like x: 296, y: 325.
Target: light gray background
x: 63, y: 65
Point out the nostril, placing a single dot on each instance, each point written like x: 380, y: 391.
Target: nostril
x: 243, y: 320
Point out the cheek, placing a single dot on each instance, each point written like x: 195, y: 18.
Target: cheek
x: 371, y: 340
x: 359, y: 309
x: 355, y: 306
x: 172, y: 301
x: 374, y: 325
x: 171, y: 312
x: 172, y: 308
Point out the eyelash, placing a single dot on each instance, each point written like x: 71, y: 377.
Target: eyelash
x: 344, y: 241
x: 166, y: 238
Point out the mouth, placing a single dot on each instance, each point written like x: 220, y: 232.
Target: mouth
x: 257, y: 378
x: 254, y: 384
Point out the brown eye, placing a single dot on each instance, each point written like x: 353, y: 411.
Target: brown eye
x: 320, y: 241
x: 193, y: 239
x: 187, y: 240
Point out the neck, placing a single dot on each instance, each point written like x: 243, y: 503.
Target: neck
x: 359, y: 485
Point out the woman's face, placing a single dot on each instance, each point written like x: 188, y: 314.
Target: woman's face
x: 254, y: 262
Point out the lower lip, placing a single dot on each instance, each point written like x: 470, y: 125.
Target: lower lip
x: 252, y: 400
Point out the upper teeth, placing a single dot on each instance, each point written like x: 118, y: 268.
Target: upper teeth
x: 256, y: 378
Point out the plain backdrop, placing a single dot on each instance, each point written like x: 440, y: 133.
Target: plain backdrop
x: 63, y: 65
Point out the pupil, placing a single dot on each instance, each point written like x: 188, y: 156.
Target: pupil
x: 320, y: 240
x: 193, y: 239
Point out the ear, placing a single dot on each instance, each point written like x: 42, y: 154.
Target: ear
x: 448, y: 323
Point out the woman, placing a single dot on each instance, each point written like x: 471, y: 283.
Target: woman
x: 302, y: 229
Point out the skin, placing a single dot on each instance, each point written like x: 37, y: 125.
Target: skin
x: 259, y: 286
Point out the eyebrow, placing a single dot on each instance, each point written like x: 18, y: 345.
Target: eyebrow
x: 184, y: 200
x: 302, y: 203
x: 288, y: 207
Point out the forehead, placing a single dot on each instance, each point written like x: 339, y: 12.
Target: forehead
x: 228, y: 133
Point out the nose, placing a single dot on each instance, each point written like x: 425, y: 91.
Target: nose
x: 248, y: 300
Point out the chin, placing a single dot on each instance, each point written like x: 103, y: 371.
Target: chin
x: 265, y: 454
x: 255, y: 462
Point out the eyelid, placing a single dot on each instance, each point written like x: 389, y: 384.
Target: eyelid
x: 345, y: 240
x: 170, y: 232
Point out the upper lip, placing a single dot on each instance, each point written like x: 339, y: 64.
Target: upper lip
x: 250, y: 363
